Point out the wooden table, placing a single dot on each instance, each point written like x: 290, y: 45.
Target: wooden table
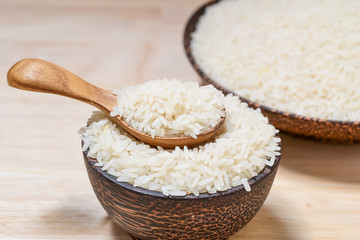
x: 44, y: 189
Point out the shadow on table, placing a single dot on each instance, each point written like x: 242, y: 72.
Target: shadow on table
x: 324, y: 160
x: 118, y: 233
x: 267, y: 224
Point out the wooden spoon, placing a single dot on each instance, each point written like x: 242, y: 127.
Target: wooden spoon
x: 42, y: 76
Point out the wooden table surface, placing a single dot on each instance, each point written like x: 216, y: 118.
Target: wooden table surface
x: 44, y: 189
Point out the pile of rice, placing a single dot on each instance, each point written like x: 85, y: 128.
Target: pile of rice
x: 245, y: 144
x: 170, y: 108
x: 301, y: 57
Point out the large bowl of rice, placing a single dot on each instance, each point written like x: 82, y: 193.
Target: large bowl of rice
x: 205, y: 192
x: 296, y: 60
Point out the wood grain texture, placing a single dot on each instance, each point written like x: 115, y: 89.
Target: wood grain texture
x: 44, y: 188
x: 38, y: 75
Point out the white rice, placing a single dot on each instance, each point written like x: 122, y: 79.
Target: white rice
x: 169, y: 108
x: 245, y: 144
x: 300, y: 57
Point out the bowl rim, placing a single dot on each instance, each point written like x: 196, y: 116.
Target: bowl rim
x: 191, y: 23
x: 252, y: 182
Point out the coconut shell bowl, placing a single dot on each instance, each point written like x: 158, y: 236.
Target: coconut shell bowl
x: 147, y: 214
x: 315, y: 128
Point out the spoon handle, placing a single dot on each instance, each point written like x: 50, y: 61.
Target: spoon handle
x: 42, y: 76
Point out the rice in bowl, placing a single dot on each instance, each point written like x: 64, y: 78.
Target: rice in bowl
x: 170, y: 108
x: 242, y: 148
x: 298, y: 57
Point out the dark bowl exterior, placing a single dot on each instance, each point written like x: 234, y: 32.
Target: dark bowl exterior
x: 326, y: 130
x: 149, y: 214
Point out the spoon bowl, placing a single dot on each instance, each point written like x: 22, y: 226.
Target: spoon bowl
x: 42, y: 76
